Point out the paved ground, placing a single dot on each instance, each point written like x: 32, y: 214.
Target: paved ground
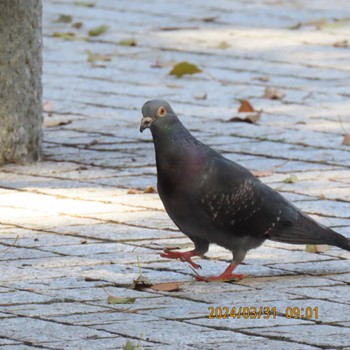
x: 70, y: 233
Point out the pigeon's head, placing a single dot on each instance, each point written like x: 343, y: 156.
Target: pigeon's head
x: 156, y: 113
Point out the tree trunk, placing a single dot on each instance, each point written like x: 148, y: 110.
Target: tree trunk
x: 20, y: 80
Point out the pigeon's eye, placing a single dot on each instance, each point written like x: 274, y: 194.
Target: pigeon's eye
x: 161, y: 112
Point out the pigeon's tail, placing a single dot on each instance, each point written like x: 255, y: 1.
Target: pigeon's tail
x: 307, y: 231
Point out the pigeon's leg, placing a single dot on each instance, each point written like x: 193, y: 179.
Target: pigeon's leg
x: 227, y: 275
x: 183, y: 256
x: 201, y: 247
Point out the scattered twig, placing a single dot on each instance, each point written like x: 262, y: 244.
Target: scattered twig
x: 11, y: 246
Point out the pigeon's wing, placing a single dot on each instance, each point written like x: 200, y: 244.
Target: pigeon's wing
x: 237, y: 202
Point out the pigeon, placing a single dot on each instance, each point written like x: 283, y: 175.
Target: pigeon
x: 214, y: 200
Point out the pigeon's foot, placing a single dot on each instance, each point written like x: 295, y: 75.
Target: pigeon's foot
x: 183, y: 256
x: 226, y: 276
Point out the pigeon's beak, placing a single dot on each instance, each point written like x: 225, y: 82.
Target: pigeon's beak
x: 146, y: 122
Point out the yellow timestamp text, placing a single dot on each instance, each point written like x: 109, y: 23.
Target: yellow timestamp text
x: 262, y: 312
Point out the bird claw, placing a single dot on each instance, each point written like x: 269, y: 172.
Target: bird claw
x: 183, y: 256
x: 226, y: 276
x: 221, y: 278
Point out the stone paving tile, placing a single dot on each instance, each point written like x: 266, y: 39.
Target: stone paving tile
x: 101, y: 343
x: 70, y: 233
x: 332, y: 336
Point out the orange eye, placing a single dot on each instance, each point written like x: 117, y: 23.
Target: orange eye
x: 161, y: 112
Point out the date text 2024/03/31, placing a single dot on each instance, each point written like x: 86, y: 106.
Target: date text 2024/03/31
x: 262, y: 312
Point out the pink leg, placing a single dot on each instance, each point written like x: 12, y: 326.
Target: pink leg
x: 183, y: 256
x: 227, y: 275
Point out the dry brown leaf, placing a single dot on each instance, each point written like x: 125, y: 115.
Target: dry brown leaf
x: 77, y: 25
x: 134, y: 191
x: 273, y: 93
x: 56, y: 122
x: 245, y: 107
x: 346, y: 140
x: 341, y: 43
x: 149, y: 189
x: 167, y: 286
x: 250, y: 118
x: 262, y: 173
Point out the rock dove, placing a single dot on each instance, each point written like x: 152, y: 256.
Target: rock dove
x: 214, y: 200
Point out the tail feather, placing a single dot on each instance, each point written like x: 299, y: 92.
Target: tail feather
x: 307, y: 231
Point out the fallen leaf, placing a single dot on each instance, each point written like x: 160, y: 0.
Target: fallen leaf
x: 129, y: 345
x: 64, y: 19
x: 346, y: 140
x: 84, y: 4
x: 77, y: 25
x: 127, y: 42
x: 245, y: 107
x: 210, y: 19
x: 10, y: 246
x: 134, y: 191
x: 119, y: 300
x: 262, y: 173
x: 69, y: 36
x: 141, y: 281
x: 167, y: 286
x: 183, y: 68
x: 273, y: 93
x: 317, y: 248
x: 223, y: 45
x: 54, y: 123
x: 149, y: 189
x: 250, y: 118
x: 341, y: 43
x: 98, y: 30
x: 201, y: 96
x: 290, y: 179
x: 94, y: 57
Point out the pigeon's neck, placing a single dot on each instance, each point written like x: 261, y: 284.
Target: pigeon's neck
x: 177, y: 151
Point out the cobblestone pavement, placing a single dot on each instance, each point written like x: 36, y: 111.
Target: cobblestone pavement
x: 70, y: 233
